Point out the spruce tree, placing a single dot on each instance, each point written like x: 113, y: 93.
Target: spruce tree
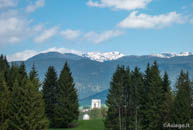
x: 37, y: 102
x: 11, y: 76
x: 181, y: 110
x: 27, y: 110
x: 4, y: 65
x: 137, y: 97
x: 118, y: 101
x: 66, y: 108
x: 167, y: 99
x: 154, y: 99
x: 22, y: 75
x: 128, y: 101
x: 4, y: 101
x: 49, y: 93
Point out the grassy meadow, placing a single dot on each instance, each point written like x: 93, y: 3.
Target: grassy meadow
x: 87, y: 125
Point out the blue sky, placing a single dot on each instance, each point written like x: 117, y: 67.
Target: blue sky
x: 132, y: 27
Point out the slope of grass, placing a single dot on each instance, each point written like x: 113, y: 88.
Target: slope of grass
x: 87, y: 125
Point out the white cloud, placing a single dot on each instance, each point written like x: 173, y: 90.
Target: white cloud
x: 147, y: 21
x: 70, y: 34
x: 8, y: 3
x: 47, y: 34
x: 24, y: 55
x: 36, y: 5
x: 119, y: 4
x: 101, y: 37
x: 13, y: 26
x: 62, y: 50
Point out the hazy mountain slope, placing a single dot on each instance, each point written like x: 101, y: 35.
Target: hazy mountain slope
x: 92, y: 77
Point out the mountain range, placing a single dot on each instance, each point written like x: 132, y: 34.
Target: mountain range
x: 92, y: 72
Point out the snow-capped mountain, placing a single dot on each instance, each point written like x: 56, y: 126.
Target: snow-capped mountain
x: 101, y: 57
x: 97, y: 56
x: 170, y: 55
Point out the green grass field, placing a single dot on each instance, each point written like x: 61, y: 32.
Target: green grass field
x: 87, y: 125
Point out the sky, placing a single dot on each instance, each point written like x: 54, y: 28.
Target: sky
x: 132, y: 27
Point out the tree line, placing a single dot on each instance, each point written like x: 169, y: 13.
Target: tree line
x: 26, y: 104
x: 136, y: 100
x: 145, y: 101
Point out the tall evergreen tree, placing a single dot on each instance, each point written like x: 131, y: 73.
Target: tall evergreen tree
x: 4, y: 65
x: 37, y: 102
x: 49, y: 91
x: 11, y: 76
x: 119, y: 101
x: 153, y: 109
x: 167, y: 99
x: 4, y: 101
x: 27, y: 110
x: 22, y: 75
x: 181, y: 110
x: 66, y: 108
x: 137, y: 97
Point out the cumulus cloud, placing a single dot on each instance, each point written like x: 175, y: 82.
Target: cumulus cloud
x: 148, y: 22
x: 36, y: 5
x: 24, y: 55
x: 101, y: 37
x: 8, y: 3
x: 46, y: 35
x: 119, y: 4
x: 13, y: 27
x: 70, y: 34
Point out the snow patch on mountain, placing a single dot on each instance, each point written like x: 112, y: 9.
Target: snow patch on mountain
x: 170, y: 55
x: 101, y: 57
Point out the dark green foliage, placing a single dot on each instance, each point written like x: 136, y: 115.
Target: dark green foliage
x: 11, y: 76
x: 26, y: 108
x: 137, y: 97
x: 49, y: 91
x: 4, y: 101
x: 153, y: 107
x: 22, y: 75
x: 119, y: 101
x: 167, y: 99
x: 66, y: 108
x: 3, y: 64
x: 181, y: 110
x: 137, y: 101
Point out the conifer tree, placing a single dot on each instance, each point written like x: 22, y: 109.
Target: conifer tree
x: 137, y: 97
x: 49, y: 93
x: 128, y: 101
x: 22, y: 75
x: 167, y: 99
x: 66, y: 108
x: 181, y: 110
x: 118, y: 101
x: 4, y: 101
x: 154, y: 99
x: 4, y: 65
x: 37, y: 102
x: 27, y: 110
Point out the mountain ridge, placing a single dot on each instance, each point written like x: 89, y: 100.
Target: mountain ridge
x: 92, y: 77
x: 108, y: 56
